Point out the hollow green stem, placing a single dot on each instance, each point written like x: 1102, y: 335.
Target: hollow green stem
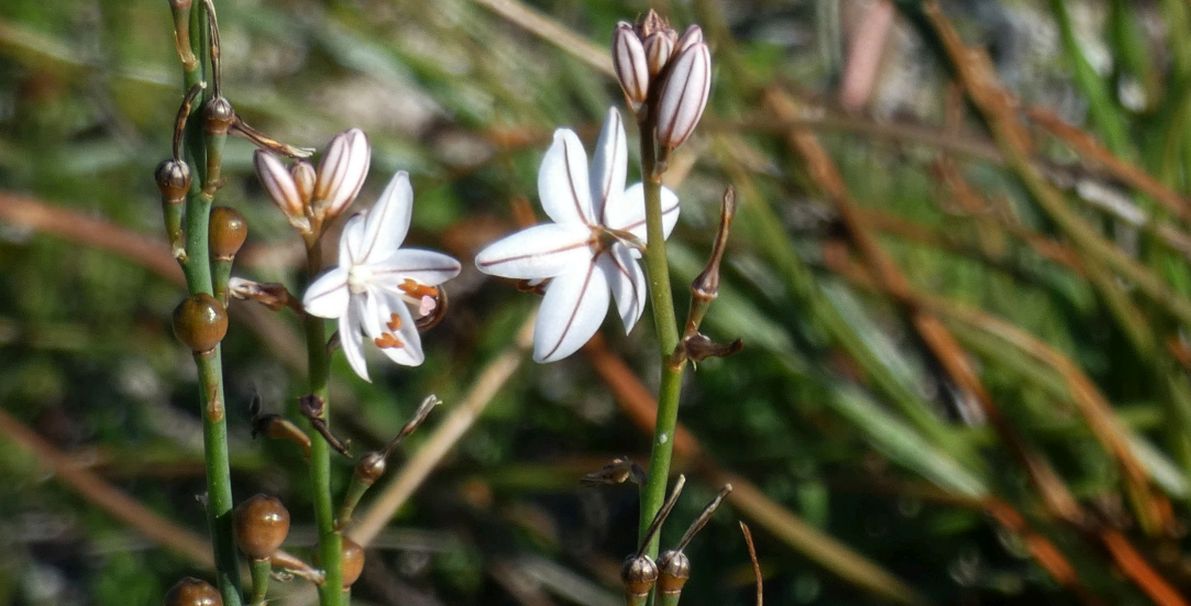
x: 661, y: 299
x: 260, y: 581
x: 330, y: 542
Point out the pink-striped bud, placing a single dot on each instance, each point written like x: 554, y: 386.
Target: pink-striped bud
x: 628, y: 58
x: 341, y: 173
x: 684, y: 94
x: 692, y: 36
x: 659, y: 46
x: 281, y: 187
x: 304, y: 179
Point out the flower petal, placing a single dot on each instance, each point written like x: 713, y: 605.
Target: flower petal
x: 425, y: 266
x: 562, y: 180
x: 387, y: 221
x: 609, y: 164
x: 572, y: 310
x: 542, y: 251
x: 380, y: 308
x: 351, y: 241
x: 351, y: 338
x: 327, y: 297
x: 627, y: 281
x: 629, y: 213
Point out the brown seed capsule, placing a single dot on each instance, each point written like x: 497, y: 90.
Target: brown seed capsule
x: 200, y: 322
x: 262, y: 524
x: 352, y: 560
x: 193, y: 592
x: 218, y: 115
x: 228, y: 230
x: 371, y: 467
x: 639, y: 573
x: 674, y: 571
x: 173, y: 180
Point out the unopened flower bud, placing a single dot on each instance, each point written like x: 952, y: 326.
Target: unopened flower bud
x: 304, y: 178
x: 282, y: 188
x: 638, y: 574
x: 200, y: 322
x: 218, y: 115
x: 193, y: 592
x: 341, y: 173
x: 173, y: 180
x: 684, y: 95
x: 658, y: 49
x: 228, y: 230
x: 650, y: 23
x: 352, y: 561
x: 674, y: 569
x: 692, y: 36
x: 262, y: 523
x: 628, y: 58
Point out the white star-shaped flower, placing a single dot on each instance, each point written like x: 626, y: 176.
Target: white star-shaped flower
x: 584, y: 251
x: 376, y: 283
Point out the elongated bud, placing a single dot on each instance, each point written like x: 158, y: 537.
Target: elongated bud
x: 638, y: 574
x: 629, y: 60
x: 650, y: 23
x: 304, y: 178
x: 674, y: 569
x: 658, y: 49
x: 353, y: 562
x: 341, y: 173
x: 262, y: 523
x: 200, y: 322
x: 283, y: 189
x: 193, y: 592
x: 173, y: 180
x: 692, y: 36
x: 684, y: 95
x: 228, y: 231
x: 218, y: 115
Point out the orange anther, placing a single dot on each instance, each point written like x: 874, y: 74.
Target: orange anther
x: 387, y: 341
x: 394, y: 322
x: 417, y: 290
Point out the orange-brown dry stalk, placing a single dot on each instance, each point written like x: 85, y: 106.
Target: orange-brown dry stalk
x: 941, y: 344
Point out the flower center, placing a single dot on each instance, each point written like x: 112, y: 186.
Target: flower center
x: 358, y: 278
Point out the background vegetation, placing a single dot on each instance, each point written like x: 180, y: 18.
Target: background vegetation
x: 999, y: 234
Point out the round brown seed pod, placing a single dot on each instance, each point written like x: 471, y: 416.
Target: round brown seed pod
x: 193, y: 592
x: 218, y: 115
x: 200, y: 322
x: 352, y: 560
x: 262, y: 523
x: 173, y: 180
x: 639, y: 573
x: 228, y: 230
x: 674, y: 571
x: 371, y: 467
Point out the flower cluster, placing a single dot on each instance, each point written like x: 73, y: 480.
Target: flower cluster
x: 664, y: 77
x: 590, y: 249
x: 378, y: 287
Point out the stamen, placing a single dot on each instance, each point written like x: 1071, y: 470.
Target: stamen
x: 417, y: 290
x: 394, y: 322
x: 387, y: 341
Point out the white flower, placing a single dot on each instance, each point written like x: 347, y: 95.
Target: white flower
x: 377, y: 281
x: 583, y: 251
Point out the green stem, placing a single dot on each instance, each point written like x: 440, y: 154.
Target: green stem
x: 661, y: 299
x: 330, y: 542
x: 260, y: 581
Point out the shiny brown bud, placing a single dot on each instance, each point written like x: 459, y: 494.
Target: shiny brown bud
x: 371, y: 467
x: 353, y: 562
x: 200, y: 322
x: 173, y: 180
x: 193, y: 592
x: 228, y: 230
x: 638, y: 574
x: 674, y: 571
x: 262, y: 523
x: 218, y: 116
